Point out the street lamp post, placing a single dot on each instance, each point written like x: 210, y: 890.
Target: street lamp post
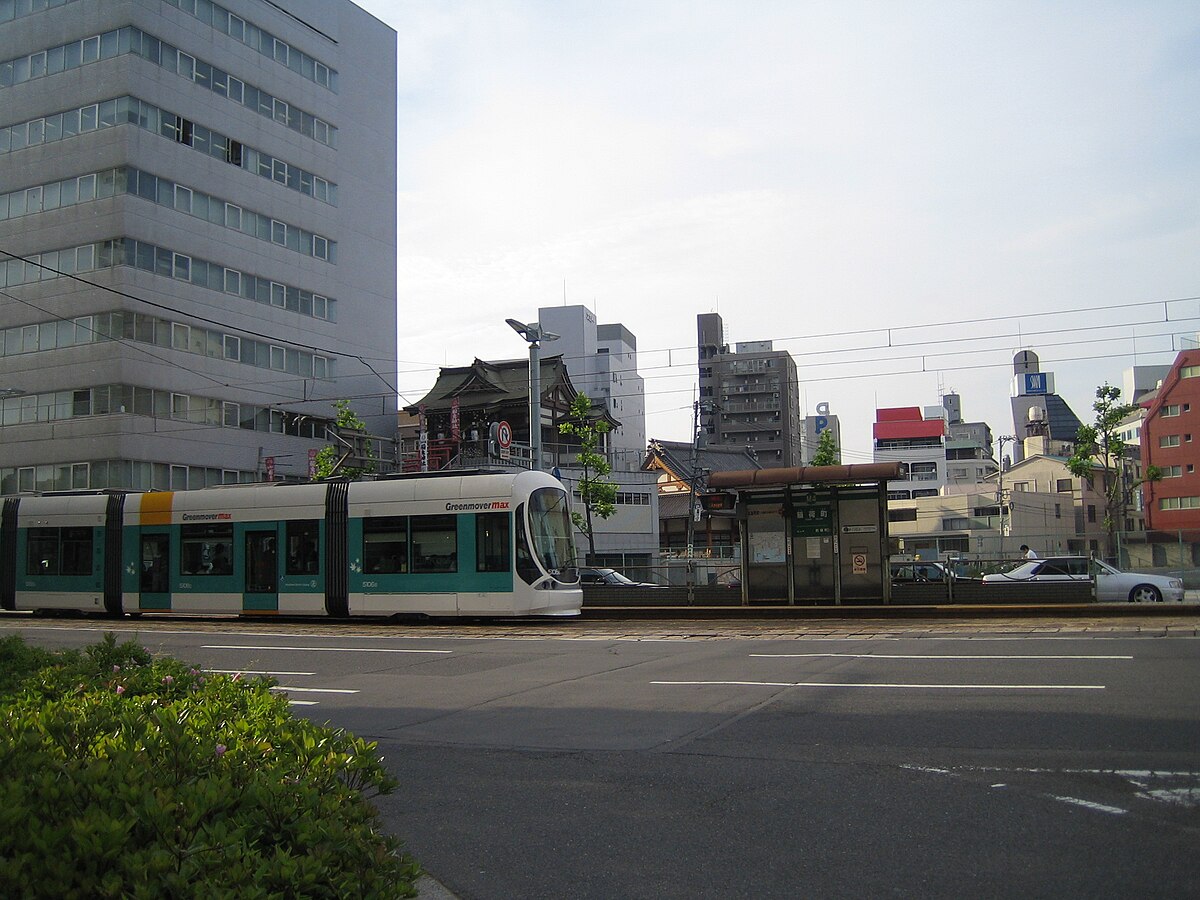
x: 534, y: 333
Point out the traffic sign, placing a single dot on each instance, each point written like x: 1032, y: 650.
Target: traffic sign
x: 504, y: 435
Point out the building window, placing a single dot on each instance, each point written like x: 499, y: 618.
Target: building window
x: 1170, y: 410
x: 1190, y: 372
x: 902, y: 515
x: 1091, y: 513
x: 1172, y: 471
x: 1171, y: 503
x: 1063, y: 486
x: 1169, y: 440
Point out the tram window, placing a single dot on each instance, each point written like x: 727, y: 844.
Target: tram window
x: 302, y: 547
x: 76, y: 551
x: 526, y: 567
x: 434, y: 543
x: 206, y: 549
x: 385, y: 545
x: 59, y: 551
x: 42, y: 552
x: 492, y: 542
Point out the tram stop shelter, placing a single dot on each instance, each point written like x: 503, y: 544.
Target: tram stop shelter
x: 812, y: 534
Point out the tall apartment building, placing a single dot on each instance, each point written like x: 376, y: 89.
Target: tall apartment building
x: 1169, y: 437
x: 937, y: 450
x: 814, y: 429
x: 969, y: 459
x: 917, y: 440
x: 198, y: 236
x: 602, y: 362
x: 749, y: 397
x: 1037, y: 409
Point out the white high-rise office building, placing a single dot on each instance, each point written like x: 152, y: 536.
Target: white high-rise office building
x: 602, y: 362
x: 198, y: 236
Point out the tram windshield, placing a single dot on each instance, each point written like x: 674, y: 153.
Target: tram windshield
x: 550, y: 530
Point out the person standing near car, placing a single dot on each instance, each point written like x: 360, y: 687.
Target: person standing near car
x: 1026, y: 553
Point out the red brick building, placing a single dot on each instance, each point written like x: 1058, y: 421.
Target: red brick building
x: 1171, y: 441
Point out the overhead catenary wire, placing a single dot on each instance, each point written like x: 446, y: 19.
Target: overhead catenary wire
x: 806, y: 370
x: 224, y: 326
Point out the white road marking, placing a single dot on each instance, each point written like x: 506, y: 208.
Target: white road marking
x: 305, y: 690
x: 913, y: 656
x: 252, y: 672
x: 316, y: 649
x: 302, y: 703
x: 1088, y: 804
x: 951, y: 687
x: 1187, y: 794
x: 1181, y: 796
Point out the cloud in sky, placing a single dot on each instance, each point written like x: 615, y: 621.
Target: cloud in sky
x: 806, y: 169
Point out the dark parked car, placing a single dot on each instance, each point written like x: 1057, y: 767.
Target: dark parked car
x: 610, y: 578
x: 918, y: 572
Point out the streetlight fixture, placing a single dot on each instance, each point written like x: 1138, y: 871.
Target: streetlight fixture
x: 534, y: 334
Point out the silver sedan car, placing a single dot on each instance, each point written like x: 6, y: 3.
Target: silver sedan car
x: 1112, y: 585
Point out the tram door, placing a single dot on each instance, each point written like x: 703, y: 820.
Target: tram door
x: 261, y: 564
x: 153, y: 584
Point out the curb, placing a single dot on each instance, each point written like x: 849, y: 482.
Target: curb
x: 945, y: 611
x: 429, y: 887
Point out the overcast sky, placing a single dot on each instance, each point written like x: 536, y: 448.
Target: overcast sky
x: 900, y: 194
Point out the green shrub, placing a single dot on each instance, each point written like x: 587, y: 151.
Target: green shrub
x: 18, y: 661
x: 126, y: 776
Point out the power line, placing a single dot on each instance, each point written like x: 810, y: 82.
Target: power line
x: 199, y: 318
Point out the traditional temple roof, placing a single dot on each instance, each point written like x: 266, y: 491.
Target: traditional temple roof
x: 496, y: 384
x: 675, y: 457
x: 493, y: 383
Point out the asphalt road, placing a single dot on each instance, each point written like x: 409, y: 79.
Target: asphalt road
x: 741, y: 759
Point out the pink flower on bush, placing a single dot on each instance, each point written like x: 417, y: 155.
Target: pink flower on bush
x: 168, y: 679
x: 220, y: 751
x: 120, y: 689
x: 116, y: 668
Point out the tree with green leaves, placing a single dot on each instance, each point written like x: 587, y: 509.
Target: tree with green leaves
x: 597, y: 494
x: 1099, y: 451
x: 828, y: 453
x: 331, y: 459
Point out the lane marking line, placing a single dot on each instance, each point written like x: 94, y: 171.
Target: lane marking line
x: 316, y: 649
x: 912, y: 656
x: 253, y: 672
x: 1088, y: 804
x: 305, y: 690
x: 302, y: 702
x: 834, y: 684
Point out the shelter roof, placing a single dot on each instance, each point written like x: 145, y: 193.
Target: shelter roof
x: 806, y: 475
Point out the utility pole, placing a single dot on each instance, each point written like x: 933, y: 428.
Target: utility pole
x: 1001, y: 441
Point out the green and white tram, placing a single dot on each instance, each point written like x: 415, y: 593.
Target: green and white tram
x: 471, y: 543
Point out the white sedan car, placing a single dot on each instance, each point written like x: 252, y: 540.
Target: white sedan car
x: 1112, y: 585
